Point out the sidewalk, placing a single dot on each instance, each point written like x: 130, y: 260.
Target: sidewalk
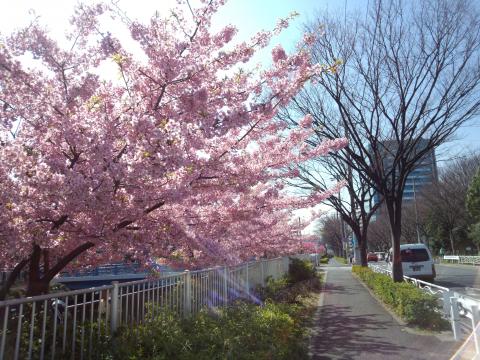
x: 353, y: 325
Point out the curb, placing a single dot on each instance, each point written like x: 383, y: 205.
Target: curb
x: 317, y: 316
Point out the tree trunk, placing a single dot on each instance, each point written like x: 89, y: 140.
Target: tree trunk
x: 361, y: 237
x: 11, y: 278
x: 37, y: 284
x: 394, y: 207
x: 363, y: 248
x: 450, y: 234
x: 46, y: 261
x: 397, y: 270
x: 33, y: 282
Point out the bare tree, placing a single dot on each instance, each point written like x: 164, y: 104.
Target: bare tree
x: 410, y: 78
x: 446, y: 202
x: 379, y: 238
x: 356, y: 208
x: 414, y: 221
x: 331, y: 233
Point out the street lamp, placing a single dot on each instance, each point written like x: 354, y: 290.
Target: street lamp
x: 416, y: 212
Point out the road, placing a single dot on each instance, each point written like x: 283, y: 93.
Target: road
x: 458, y: 277
x: 455, y: 277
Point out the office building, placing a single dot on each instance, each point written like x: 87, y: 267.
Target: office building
x: 424, y: 174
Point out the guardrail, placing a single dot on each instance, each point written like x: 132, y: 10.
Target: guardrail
x: 109, y: 269
x: 104, y: 270
x: 70, y: 324
x: 462, y: 259
x: 454, y: 307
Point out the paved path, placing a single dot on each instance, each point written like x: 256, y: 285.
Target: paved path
x: 353, y: 325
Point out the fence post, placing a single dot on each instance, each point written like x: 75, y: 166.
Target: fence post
x: 187, y: 304
x: 446, y: 303
x: 225, y: 286
x: 455, y: 318
x: 262, y: 272
x: 475, y: 319
x: 114, y: 308
x: 286, y: 262
x: 247, y: 282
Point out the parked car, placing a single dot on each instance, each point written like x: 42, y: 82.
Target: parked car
x: 381, y: 256
x: 417, y: 261
x: 372, y: 257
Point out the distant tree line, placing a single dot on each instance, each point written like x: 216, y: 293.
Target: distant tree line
x: 446, y: 215
x: 441, y: 217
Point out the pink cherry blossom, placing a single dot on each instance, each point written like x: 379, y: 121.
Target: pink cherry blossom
x: 278, y: 53
x: 181, y: 161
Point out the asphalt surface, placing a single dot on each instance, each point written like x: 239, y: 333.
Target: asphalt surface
x: 351, y: 324
x: 458, y: 276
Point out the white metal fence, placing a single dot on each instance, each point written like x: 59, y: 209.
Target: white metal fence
x: 462, y: 311
x: 69, y: 325
x: 462, y: 259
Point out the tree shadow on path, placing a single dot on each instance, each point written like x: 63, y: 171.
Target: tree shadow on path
x: 356, y: 328
x: 342, y: 335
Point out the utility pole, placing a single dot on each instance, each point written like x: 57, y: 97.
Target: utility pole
x: 342, y: 229
x: 342, y: 223
x: 416, y: 212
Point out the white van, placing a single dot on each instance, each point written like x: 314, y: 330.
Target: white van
x: 417, y: 261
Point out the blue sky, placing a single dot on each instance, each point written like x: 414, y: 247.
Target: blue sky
x: 249, y: 16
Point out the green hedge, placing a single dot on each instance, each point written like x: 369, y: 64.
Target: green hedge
x: 244, y: 331
x: 409, y: 302
x: 274, y: 330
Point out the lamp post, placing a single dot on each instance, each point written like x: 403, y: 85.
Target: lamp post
x: 416, y: 212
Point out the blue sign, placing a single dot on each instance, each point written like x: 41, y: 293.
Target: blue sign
x: 354, y: 241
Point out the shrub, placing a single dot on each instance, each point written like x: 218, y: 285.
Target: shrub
x: 243, y: 331
x: 300, y: 270
x: 282, y: 291
x: 161, y: 337
x: 272, y: 288
x: 411, y: 303
x: 300, y: 280
x: 275, y: 330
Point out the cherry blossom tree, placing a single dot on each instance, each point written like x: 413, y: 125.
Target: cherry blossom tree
x: 181, y: 159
